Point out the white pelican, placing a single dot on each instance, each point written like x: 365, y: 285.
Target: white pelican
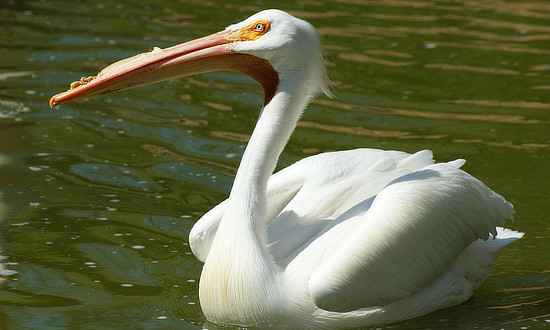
x: 337, y: 240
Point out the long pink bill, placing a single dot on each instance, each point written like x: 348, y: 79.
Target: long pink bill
x: 207, y: 54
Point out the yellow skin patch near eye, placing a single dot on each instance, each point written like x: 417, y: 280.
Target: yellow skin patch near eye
x: 252, y: 32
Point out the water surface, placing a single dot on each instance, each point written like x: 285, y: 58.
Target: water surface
x: 98, y: 196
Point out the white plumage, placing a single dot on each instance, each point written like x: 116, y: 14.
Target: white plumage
x: 340, y: 239
x: 373, y: 237
x: 337, y: 240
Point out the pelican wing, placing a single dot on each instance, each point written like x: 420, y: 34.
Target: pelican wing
x: 306, y: 196
x: 393, y: 244
x: 331, y: 184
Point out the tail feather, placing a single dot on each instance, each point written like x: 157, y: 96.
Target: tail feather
x: 504, y: 237
x: 475, y: 262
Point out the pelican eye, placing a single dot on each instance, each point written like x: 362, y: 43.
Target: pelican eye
x: 252, y: 32
x: 258, y: 28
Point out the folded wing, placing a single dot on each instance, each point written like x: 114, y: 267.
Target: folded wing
x: 306, y: 196
x: 390, y: 246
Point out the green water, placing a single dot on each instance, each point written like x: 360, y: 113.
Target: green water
x: 98, y: 196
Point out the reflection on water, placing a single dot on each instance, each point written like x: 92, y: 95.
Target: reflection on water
x: 5, y: 263
x: 99, y: 195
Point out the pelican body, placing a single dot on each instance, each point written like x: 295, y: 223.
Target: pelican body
x: 336, y: 240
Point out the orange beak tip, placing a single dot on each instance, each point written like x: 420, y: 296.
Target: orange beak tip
x: 53, y: 101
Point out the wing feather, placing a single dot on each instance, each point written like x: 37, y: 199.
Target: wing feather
x: 412, y: 232
x: 332, y: 184
x: 308, y: 195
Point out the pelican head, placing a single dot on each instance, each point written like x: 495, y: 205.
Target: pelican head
x: 270, y: 46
